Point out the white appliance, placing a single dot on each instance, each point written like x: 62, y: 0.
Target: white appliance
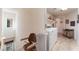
x: 41, y: 42
x: 45, y: 41
x: 77, y: 32
x: 52, y: 37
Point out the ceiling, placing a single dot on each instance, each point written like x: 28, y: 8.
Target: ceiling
x: 58, y: 11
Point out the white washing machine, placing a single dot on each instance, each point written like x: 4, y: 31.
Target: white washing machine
x: 52, y: 37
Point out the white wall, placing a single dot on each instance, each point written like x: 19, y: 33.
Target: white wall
x: 8, y: 32
x: 72, y: 17
x: 59, y: 26
x: 0, y: 21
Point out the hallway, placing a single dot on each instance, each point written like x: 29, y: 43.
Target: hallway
x: 65, y: 44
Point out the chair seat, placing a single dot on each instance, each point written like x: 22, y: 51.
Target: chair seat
x: 30, y: 49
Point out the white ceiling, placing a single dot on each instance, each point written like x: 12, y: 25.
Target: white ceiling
x: 58, y: 11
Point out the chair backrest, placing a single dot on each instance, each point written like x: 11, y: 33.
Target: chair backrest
x: 32, y: 37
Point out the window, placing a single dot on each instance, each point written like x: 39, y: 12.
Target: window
x: 9, y: 22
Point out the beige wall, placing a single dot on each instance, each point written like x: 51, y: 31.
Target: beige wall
x: 23, y: 27
x: 29, y: 20
x: 37, y: 18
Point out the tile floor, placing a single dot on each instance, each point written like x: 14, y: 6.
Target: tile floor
x: 65, y: 44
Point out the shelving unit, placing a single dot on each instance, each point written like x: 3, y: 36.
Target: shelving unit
x: 7, y: 44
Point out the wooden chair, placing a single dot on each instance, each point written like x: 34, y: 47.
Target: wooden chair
x: 31, y: 46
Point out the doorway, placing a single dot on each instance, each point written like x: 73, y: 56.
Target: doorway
x: 65, y: 21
